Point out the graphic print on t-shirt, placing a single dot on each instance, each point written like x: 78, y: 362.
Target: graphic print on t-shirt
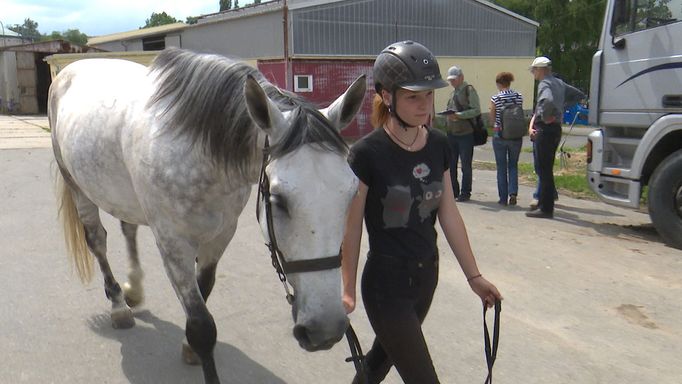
x: 397, y: 204
x: 421, y: 171
x: 430, y: 199
x: 399, y: 199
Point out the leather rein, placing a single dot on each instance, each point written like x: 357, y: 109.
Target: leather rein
x: 283, y: 267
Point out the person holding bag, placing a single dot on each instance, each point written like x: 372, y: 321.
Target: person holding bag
x: 464, y: 101
x: 404, y: 185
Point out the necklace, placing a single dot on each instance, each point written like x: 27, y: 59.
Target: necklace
x: 409, y: 146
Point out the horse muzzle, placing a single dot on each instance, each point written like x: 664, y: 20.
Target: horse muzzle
x: 316, y: 336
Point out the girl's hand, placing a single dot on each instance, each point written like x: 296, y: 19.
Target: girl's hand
x: 485, y: 290
x: 349, y: 302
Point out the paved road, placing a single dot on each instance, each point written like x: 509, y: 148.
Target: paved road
x: 590, y: 297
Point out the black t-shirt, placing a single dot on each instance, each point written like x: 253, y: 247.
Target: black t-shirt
x: 405, y: 189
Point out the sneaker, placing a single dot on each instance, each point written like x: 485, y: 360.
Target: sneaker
x: 512, y: 199
x: 534, y: 204
x: 502, y: 202
x: 463, y: 198
x: 540, y: 214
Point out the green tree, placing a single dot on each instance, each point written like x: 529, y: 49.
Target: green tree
x: 568, y: 33
x: 225, y: 5
x: 236, y: 4
x: 29, y: 29
x: 157, y: 19
x: 75, y: 36
x: 191, y: 19
x: 71, y: 35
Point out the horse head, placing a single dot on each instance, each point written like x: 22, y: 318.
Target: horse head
x: 310, y: 189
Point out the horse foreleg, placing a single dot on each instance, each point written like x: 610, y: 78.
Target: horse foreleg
x: 207, y: 262
x: 200, y: 329
x: 132, y: 289
x: 209, y: 256
x: 96, y: 238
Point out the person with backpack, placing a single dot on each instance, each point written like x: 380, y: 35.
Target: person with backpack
x: 506, y: 110
x: 466, y: 105
x: 403, y: 187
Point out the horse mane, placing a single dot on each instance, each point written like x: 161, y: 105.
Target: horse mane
x: 202, y: 96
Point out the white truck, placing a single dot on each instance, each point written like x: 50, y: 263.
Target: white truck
x: 636, y: 101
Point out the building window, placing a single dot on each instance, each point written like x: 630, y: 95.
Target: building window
x: 303, y: 83
x: 155, y: 43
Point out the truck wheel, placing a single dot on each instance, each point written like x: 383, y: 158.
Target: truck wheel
x: 665, y: 199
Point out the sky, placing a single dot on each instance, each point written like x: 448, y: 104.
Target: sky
x: 98, y: 17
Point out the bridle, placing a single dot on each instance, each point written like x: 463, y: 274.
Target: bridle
x: 284, y: 267
x: 281, y: 265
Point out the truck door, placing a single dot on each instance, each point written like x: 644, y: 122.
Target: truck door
x: 642, y: 67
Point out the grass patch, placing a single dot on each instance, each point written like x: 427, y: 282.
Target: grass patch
x: 570, y: 179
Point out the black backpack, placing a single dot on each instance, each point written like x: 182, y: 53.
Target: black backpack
x: 513, y: 122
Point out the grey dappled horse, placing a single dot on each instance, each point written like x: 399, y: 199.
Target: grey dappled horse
x: 177, y: 146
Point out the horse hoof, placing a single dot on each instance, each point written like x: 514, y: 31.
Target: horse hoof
x: 133, y: 297
x: 122, y: 318
x: 188, y: 355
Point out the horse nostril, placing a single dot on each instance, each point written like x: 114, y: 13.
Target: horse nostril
x: 301, y: 334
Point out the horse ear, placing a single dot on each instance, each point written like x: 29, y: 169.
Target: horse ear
x: 342, y: 111
x: 261, y: 109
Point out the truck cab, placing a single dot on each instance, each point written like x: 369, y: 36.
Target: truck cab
x: 636, y: 101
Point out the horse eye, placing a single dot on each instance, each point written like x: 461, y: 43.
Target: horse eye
x: 280, y: 203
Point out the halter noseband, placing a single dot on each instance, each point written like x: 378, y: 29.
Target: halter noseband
x: 281, y: 265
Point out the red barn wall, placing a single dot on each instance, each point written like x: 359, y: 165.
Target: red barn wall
x: 273, y: 70
x: 330, y: 79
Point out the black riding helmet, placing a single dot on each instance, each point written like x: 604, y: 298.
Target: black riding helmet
x: 408, y: 65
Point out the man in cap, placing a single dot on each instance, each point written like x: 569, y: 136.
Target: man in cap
x: 545, y: 129
x: 464, y: 100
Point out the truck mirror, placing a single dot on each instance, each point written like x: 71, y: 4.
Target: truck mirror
x: 620, y: 15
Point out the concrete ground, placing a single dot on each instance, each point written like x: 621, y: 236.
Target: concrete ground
x: 591, y: 297
x: 24, y: 132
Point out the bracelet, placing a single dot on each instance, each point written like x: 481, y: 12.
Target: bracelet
x: 473, y: 277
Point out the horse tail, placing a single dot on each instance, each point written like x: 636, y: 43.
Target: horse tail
x: 74, y: 232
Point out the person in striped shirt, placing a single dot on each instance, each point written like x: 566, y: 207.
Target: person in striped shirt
x: 507, y: 151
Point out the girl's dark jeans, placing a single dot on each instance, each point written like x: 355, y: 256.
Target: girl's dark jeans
x: 397, y: 295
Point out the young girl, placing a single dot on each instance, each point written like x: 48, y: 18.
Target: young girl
x: 403, y: 167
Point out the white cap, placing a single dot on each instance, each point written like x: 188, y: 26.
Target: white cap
x: 541, y: 62
x: 454, y: 72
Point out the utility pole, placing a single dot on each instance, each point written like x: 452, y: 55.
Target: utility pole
x: 287, y: 66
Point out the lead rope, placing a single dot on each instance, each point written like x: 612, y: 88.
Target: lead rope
x: 491, y: 350
x: 276, y: 257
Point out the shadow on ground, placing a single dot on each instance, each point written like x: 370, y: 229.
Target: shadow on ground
x: 150, y: 354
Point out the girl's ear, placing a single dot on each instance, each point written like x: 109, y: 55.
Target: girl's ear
x: 386, y: 97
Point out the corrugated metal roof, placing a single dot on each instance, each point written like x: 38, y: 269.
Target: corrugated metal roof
x: 51, y: 46
x: 9, y: 33
x: 245, y: 11
x: 299, y: 4
x: 253, y: 9
x: 137, y: 34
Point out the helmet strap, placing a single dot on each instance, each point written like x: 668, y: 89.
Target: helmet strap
x: 394, y: 112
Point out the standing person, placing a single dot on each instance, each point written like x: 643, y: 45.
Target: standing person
x: 507, y: 150
x: 404, y: 186
x: 464, y: 100
x: 545, y: 129
x: 536, y: 193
